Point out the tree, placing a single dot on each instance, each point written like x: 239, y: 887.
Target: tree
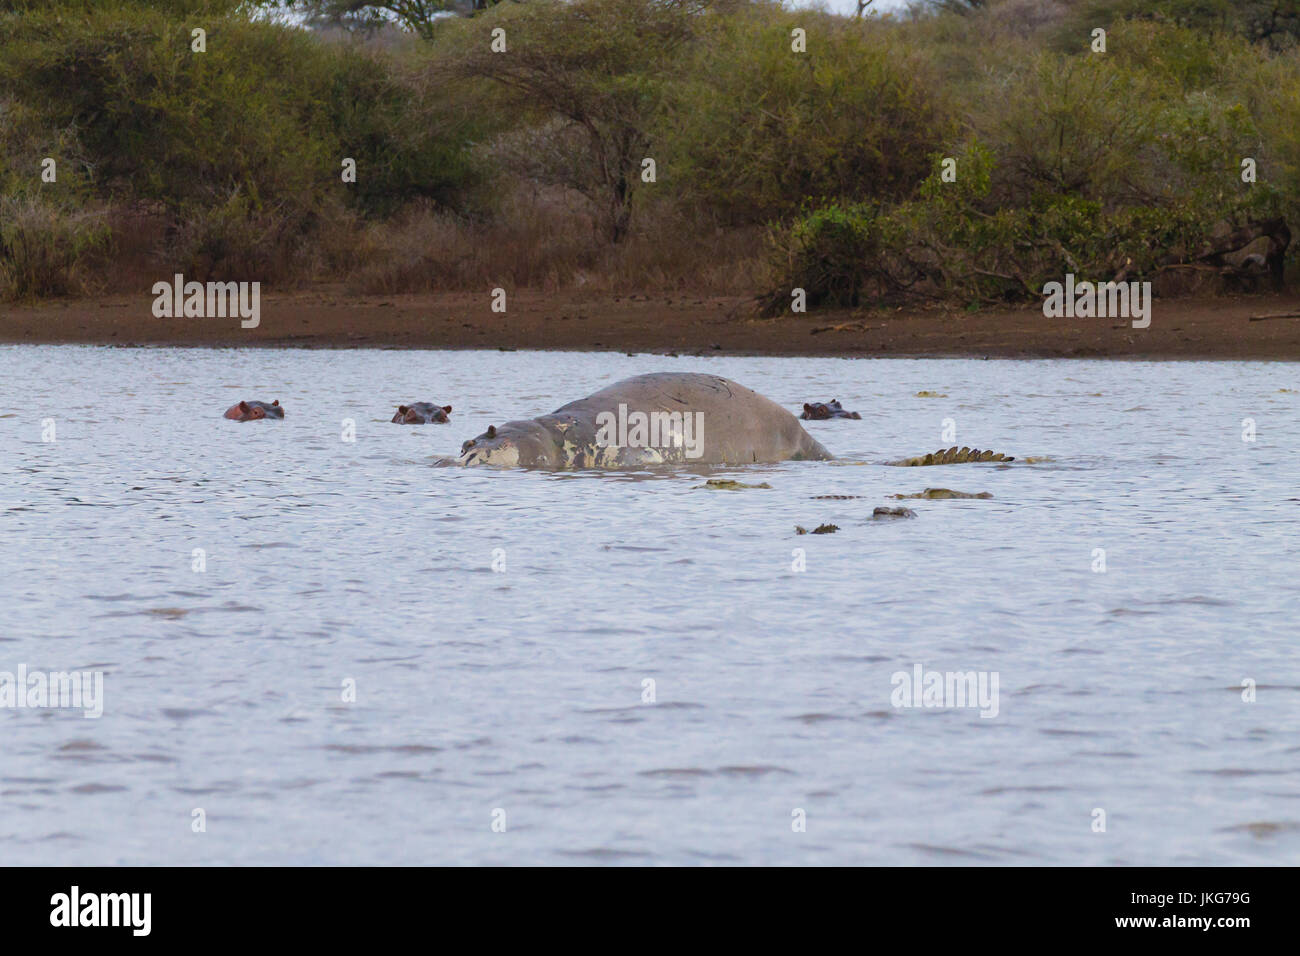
x: 418, y: 16
x: 594, y: 70
x: 958, y: 6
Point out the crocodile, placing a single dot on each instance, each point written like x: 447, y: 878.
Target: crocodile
x: 951, y: 456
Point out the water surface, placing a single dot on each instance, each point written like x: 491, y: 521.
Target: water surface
x: 331, y: 561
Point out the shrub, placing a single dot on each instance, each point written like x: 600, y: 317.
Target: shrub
x: 952, y: 244
x: 266, y: 114
x: 590, y: 73
x: 754, y: 129
x: 1267, y: 22
x: 44, y: 247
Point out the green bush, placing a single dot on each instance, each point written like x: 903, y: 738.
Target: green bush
x: 1267, y: 22
x: 830, y: 253
x: 267, y: 109
x: 240, y: 147
x: 953, y: 243
x: 1124, y: 164
x: 1099, y: 164
x: 754, y: 129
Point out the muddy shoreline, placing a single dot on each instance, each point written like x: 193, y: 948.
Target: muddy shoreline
x: 1204, y: 328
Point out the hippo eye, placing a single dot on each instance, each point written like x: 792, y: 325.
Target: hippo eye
x: 467, y: 446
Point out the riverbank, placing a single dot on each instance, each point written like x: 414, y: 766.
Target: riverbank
x: 1203, y: 328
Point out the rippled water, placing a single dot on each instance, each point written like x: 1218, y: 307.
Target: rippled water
x: 522, y: 691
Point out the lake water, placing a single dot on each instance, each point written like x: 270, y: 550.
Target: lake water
x: 518, y: 696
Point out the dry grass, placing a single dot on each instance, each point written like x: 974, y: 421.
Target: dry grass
x: 540, y: 238
x: 49, y: 250
x: 549, y: 239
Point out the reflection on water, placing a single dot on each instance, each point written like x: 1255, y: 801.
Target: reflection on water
x: 329, y: 564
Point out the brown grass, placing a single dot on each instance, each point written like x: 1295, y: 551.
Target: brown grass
x: 548, y: 238
x: 544, y: 239
x: 47, y: 249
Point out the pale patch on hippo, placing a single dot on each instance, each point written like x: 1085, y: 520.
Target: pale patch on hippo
x: 651, y: 430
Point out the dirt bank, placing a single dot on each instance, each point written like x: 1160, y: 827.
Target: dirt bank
x: 1217, y: 328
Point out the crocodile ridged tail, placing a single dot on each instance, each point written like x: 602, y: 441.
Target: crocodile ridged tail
x: 952, y: 456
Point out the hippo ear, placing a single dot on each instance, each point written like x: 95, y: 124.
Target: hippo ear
x: 492, y: 431
x: 446, y: 408
x: 276, y: 402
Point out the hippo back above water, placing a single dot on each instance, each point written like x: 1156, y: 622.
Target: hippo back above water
x: 254, y: 411
x: 657, y: 419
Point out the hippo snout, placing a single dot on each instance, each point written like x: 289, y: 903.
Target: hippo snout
x: 251, y: 411
x: 820, y: 411
x: 422, y: 413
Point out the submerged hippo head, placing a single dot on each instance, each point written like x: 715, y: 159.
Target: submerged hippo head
x: 818, y: 411
x: 422, y: 413
x: 526, y: 443
x: 252, y: 411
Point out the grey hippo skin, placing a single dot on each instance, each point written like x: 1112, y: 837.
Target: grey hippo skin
x: 422, y: 413
x: 729, y: 425
x: 254, y: 411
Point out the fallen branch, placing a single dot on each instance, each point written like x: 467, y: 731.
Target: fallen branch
x: 1275, y: 315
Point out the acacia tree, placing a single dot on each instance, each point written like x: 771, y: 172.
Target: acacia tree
x: 593, y: 69
x: 418, y: 16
